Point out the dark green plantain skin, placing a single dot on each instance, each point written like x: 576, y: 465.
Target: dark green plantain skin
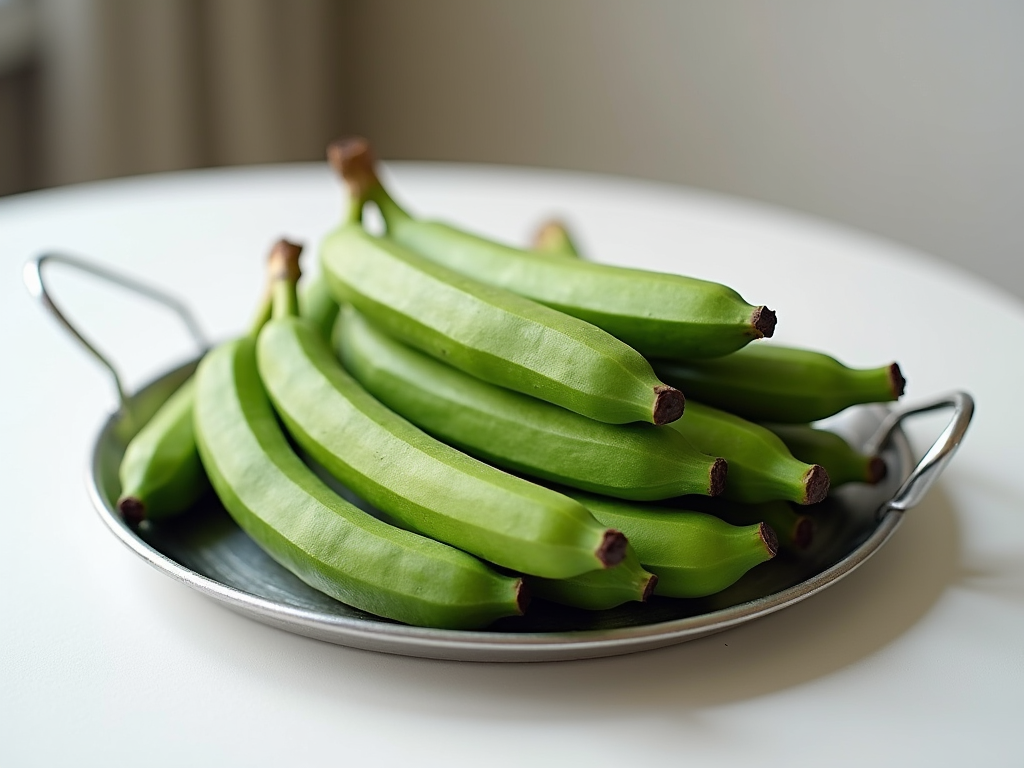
x: 693, y: 554
x: 161, y: 475
x: 599, y: 590
x: 420, y: 482
x: 841, y: 460
x: 761, y: 468
x: 309, y: 530
x: 493, y: 334
x: 766, y: 382
x: 795, y: 530
x: 520, y: 433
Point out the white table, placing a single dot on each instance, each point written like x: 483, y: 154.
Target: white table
x: 915, y: 659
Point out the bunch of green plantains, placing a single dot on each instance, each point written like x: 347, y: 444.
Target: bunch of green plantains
x: 516, y: 416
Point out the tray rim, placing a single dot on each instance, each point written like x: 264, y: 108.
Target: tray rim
x: 481, y: 645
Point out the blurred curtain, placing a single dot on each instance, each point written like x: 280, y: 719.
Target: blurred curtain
x: 137, y: 86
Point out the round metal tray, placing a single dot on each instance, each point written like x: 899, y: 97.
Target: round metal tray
x: 205, y: 550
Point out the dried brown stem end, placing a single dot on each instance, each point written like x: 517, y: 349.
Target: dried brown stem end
x: 132, y: 510
x: 612, y: 549
x: 816, y: 483
x: 353, y: 160
x: 896, y: 381
x: 283, y: 263
x: 668, y: 404
x: 763, y: 320
x: 770, y: 539
x: 649, y: 588
x: 877, y: 470
x: 719, y: 472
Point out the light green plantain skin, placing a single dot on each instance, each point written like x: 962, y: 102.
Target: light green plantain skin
x: 161, y: 475
x: 693, y: 554
x: 658, y: 314
x: 493, y: 334
x: 761, y: 468
x: 325, y: 541
x: 767, y: 382
x: 841, y: 460
x: 599, y: 590
x: 520, y: 433
x: 424, y: 484
x: 317, y: 304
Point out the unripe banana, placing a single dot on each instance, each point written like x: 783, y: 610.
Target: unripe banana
x: 843, y: 462
x: 766, y: 382
x: 658, y: 314
x: 521, y: 433
x: 488, y: 332
x: 599, y: 590
x: 311, y: 531
x: 795, y: 530
x: 693, y: 554
x: 761, y: 468
x: 423, y: 484
x: 160, y: 472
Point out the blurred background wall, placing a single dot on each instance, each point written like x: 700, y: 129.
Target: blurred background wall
x: 901, y: 117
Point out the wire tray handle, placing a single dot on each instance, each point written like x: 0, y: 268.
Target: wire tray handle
x: 928, y: 469
x: 35, y: 281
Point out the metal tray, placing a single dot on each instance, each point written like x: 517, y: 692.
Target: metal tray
x: 205, y: 550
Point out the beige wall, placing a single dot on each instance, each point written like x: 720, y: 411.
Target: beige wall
x: 903, y: 117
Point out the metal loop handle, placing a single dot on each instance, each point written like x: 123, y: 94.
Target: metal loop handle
x: 36, y: 283
x: 935, y: 459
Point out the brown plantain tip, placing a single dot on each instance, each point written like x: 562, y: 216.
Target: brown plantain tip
x: 896, y: 381
x: 763, y: 320
x: 612, y: 548
x: 649, y: 588
x: 353, y: 160
x: 877, y: 470
x: 770, y: 539
x: 803, y: 532
x: 132, y: 510
x: 283, y: 263
x: 668, y: 404
x: 719, y: 472
x: 816, y: 483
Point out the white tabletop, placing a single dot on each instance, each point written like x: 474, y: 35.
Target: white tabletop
x: 914, y: 659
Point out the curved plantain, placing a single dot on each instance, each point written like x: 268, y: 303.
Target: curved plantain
x: 520, y: 433
x: 693, y: 554
x: 308, y: 529
x: 425, y: 485
x: 761, y: 468
x: 599, y: 590
x: 489, y: 332
x: 841, y: 460
x: 160, y: 472
x: 658, y: 314
x: 767, y: 382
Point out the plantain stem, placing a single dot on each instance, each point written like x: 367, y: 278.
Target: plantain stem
x: 283, y: 274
